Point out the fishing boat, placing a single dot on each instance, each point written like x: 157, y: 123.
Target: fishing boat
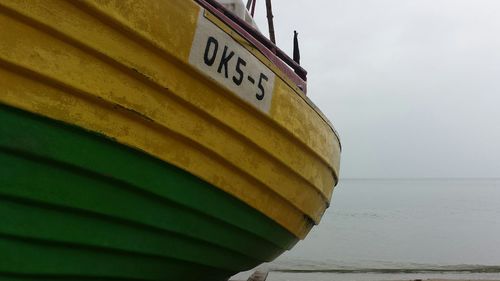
x: 152, y: 140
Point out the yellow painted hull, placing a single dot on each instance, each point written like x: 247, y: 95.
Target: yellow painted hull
x: 121, y: 69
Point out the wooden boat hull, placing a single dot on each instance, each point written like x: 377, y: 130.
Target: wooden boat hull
x: 75, y: 204
x: 124, y: 159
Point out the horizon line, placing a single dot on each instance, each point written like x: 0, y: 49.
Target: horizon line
x: 422, y: 178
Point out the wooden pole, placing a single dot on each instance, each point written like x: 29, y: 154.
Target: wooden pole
x: 296, y: 51
x: 254, y: 2
x: 270, y: 21
x: 249, y: 4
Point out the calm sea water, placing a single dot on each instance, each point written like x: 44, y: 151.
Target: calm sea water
x: 401, y: 229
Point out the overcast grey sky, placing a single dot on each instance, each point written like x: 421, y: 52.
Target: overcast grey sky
x: 412, y: 86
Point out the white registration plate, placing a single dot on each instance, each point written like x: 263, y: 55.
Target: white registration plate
x: 223, y: 59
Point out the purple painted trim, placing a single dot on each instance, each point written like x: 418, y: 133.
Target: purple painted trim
x: 264, y: 45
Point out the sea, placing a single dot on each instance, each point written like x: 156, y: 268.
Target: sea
x: 400, y: 229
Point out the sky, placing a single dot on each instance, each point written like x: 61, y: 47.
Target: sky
x: 412, y: 87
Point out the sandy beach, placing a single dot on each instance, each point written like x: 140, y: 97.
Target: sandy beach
x: 276, y: 276
x: 411, y: 280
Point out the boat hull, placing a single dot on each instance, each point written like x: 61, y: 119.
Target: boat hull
x: 75, y: 204
x: 122, y: 150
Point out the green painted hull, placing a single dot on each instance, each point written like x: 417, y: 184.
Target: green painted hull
x: 75, y: 205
